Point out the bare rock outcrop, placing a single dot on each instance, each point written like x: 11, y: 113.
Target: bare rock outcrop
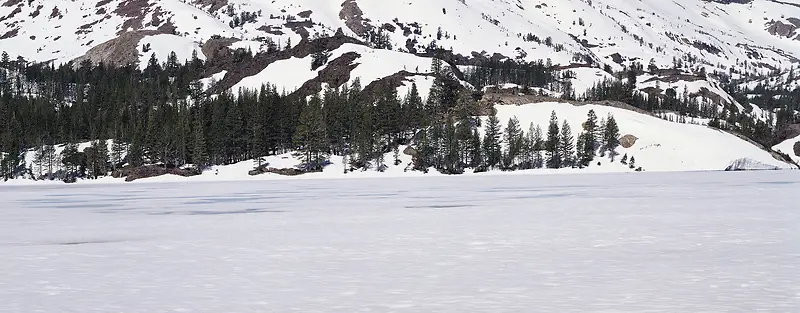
x: 354, y: 19
x: 134, y: 173
x: 628, y: 141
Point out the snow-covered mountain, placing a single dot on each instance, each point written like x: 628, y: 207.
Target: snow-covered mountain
x: 753, y: 36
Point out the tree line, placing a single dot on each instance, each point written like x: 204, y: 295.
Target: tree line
x: 161, y: 114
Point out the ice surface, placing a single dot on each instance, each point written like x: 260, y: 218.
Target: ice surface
x: 643, y: 242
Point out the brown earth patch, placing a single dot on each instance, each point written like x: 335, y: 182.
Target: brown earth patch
x: 119, y: 51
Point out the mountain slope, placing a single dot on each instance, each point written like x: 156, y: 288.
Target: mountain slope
x: 719, y: 34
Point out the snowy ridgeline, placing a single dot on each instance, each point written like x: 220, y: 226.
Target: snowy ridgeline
x: 660, y: 145
x: 651, y: 242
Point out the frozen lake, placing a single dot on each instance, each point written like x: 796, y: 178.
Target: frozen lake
x: 645, y: 242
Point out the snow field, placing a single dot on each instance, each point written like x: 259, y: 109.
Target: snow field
x: 163, y: 45
x: 655, y: 242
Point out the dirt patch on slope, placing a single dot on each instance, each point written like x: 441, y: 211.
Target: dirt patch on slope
x: 217, y: 46
x: 119, y: 51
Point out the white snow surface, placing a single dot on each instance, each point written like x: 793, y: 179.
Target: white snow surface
x: 787, y: 146
x: 662, y: 145
x: 287, y: 75
x: 647, y: 242
x: 164, y: 44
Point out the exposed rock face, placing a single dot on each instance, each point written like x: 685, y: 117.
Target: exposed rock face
x: 411, y: 151
x: 212, y: 5
x: 285, y: 171
x: 134, y: 173
x: 781, y: 29
x: 353, y: 17
x: 628, y: 141
x: 797, y: 148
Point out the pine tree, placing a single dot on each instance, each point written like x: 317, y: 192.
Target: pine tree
x: 591, y: 138
x: 97, y: 158
x: 513, y: 139
x: 632, y: 164
x: 580, y: 148
x: 538, y: 147
x: 424, y: 150
x: 624, y: 159
x: 396, y: 155
x: 474, y: 150
x: 491, y: 142
x: 310, y: 135
x: 51, y: 159
x: 566, y: 146
x: 554, y: 158
x: 199, y: 149
x: 453, y: 150
x: 70, y: 159
x: 319, y: 59
x: 117, y: 152
x: 611, y: 135
x: 38, y: 160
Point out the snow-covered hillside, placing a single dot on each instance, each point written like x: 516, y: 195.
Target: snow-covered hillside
x: 661, y: 145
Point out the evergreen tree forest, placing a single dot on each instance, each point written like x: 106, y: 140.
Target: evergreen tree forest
x: 161, y: 115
